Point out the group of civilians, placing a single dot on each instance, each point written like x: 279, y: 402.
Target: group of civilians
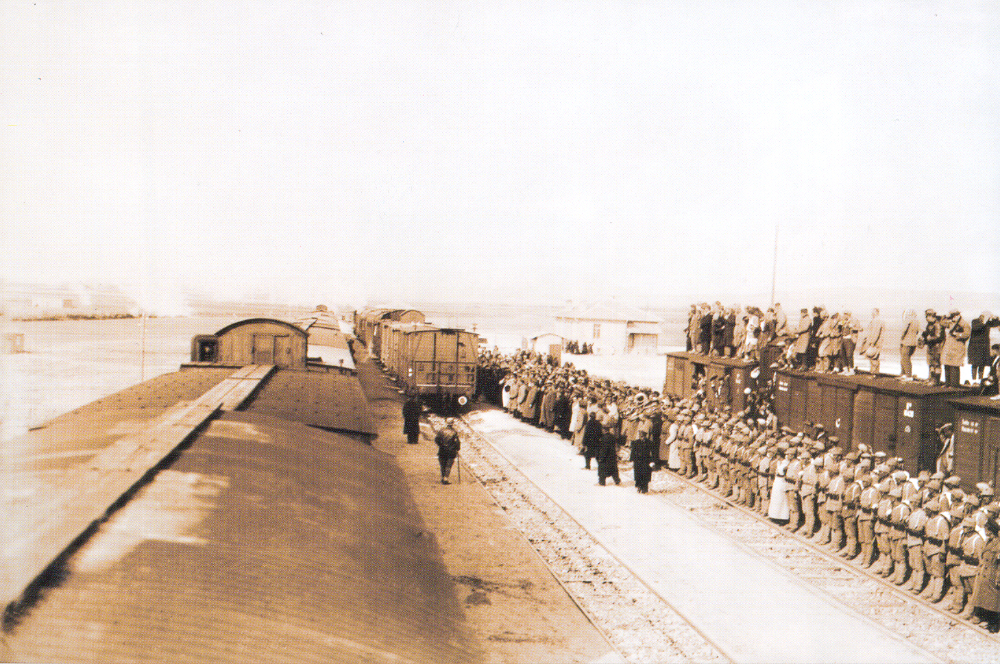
x: 922, y: 530
x: 827, y: 341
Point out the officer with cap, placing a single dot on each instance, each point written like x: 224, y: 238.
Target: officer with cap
x: 807, y: 494
x: 835, y: 490
x: 972, y: 548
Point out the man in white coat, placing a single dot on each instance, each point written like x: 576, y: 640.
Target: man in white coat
x: 871, y: 345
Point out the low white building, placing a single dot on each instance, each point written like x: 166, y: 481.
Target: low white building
x: 611, y: 328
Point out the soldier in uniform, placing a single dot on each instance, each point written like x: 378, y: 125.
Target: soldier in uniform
x: 953, y: 554
x: 642, y: 455
x: 936, y: 533
x: 793, y: 479
x: 869, y: 501
x: 607, y: 453
x: 807, y: 494
x: 849, y: 512
x: 897, y: 535
x: 822, y: 482
x: 834, y: 507
x: 932, y: 338
x: 972, y: 548
x: 882, y: 516
x: 915, y: 533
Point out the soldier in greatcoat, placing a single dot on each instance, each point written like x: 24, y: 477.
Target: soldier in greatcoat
x: 591, y: 438
x: 972, y: 547
x: 607, y: 453
x: 882, y: 516
x: 897, y: 536
x: 411, y: 418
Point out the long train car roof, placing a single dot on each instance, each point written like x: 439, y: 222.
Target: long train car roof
x: 262, y: 540
x: 327, y: 340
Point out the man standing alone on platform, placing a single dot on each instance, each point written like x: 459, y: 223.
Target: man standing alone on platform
x: 448, y: 444
x: 411, y: 418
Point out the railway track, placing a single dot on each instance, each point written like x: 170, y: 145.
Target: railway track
x: 917, y: 620
x: 638, y: 623
x: 644, y: 627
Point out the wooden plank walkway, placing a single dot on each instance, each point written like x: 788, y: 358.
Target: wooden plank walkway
x: 38, y: 532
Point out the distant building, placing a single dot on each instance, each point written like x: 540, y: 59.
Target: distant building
x: 546, y: 343
x: 611, y: 328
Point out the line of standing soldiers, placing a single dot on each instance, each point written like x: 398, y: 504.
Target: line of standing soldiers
x: 923, y: 531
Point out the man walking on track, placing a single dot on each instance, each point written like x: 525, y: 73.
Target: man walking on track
x: 448, y: 444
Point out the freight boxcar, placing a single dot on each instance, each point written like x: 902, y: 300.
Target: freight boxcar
x: 437, y: 363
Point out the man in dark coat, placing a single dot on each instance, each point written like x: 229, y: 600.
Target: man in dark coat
x: 642, y: 457
x: 979, y: 343
x: 411, y: 418
x: 591, y: 438
x: 932, y: 338
x: 705, y: 329
x: 607, y: 457
x: 448, y: 444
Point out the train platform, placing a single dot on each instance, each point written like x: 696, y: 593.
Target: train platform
x: 751, y: 609
x: 511, y: 601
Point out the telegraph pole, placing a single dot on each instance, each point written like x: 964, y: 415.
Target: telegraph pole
x: 774, y: 268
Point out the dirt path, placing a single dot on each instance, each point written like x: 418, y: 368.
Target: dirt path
x: 512, y: 602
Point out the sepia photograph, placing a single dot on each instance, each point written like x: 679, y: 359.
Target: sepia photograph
x: 566, y: 331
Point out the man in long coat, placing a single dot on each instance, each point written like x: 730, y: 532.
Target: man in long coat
x: 957, y: 332
x: 607, y: 455
x: 871, y: 345
x: 979, y: 343
x: 986, y: 591
x: 411, y: 418
x: 591, y: 438
x: 933, y: 339
x: 802, y: 335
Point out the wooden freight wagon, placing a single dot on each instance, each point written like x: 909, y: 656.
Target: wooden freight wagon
x: 977, y: 440
x: 791, y: 389
x: 435, y: 362
x: 901, y: 418
x: 731, y: 375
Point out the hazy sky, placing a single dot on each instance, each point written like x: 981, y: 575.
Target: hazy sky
x: 524, y: 150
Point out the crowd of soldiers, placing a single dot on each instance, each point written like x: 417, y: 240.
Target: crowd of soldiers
x: 827, y: 341
x: 922, y: 530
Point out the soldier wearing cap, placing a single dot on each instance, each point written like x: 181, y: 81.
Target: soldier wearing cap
x: 868, y: 504
x: 763, y: 481
x: 793, y: 484
x: 915, y: 533
x: 822, y: 514
x: 973, y: 542
x: 936, y: 533
x: 882, y: 522
x: 897, y: 535
x: 807, y: 494
x: 849, y: 512
x: 835, y: 490
x: 953, y: 553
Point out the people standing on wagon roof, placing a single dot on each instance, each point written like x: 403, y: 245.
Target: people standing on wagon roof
x: 979, y: 342
x: 957, y: 333
x: 871, y: 345
x: 933, y: 339
x: 908, y: 342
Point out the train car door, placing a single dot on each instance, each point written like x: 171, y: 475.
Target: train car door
x: 990, y: 463
x: 263, y: 349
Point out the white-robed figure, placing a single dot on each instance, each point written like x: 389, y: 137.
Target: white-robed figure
x: 673, y: 447
x: 508, y: 386
x: 778, y: 507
